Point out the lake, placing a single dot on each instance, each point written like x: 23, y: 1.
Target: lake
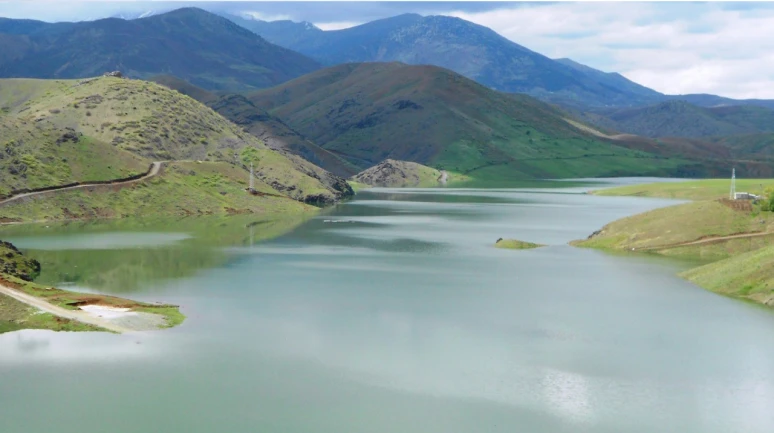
x: 390, y: 313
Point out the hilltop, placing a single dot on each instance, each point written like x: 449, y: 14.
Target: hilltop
x: 469, y: 49
x: 203, y: 48
x: 366, y: 113
x: 57, y: 132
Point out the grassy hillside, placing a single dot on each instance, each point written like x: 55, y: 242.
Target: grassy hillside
x: 733, y: 237
x: 391, y: 173
x: 705, y: 189
x: 201, y: 47
x: 55, y: 132
x: 270, y: 129
x: 748, y: 276
x: 680, y: 119
x: 183, y: 189
x: 366, y: 113
x: 662, y: 229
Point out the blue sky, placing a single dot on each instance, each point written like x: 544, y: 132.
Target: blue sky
x: 687, y: 47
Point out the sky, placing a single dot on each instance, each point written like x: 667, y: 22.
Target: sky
x: 722, y: 48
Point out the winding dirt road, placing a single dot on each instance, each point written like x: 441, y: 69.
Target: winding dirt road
x: 706, y: 241
x: 80, y: 316
x: 153, y: 172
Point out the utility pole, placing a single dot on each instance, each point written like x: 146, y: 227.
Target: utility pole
x: 251, y: 178
x: 733, y: 183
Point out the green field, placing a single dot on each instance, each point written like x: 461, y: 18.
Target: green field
x: 705, y: 189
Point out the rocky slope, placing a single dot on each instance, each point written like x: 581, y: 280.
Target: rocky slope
x: 396, y: 174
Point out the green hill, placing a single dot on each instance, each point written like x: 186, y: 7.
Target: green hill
x: 366, y: 113
x: 203, y: 48
x: 56, y: 132
x: 681, y: 119
x: 270, y: 129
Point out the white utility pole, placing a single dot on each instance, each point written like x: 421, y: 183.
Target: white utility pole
x: 733, y: 183
x: 251, y: 177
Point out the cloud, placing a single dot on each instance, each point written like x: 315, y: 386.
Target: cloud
x: 686, y: 47
x: 673, y: 48
x: 337, y: 25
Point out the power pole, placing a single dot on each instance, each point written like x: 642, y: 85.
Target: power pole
x: 733, y: 183
x: 251, y: 177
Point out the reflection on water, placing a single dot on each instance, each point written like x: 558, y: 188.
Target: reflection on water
x: 126, y: 256
x: 403, y: 317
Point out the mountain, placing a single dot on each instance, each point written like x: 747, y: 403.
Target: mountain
x: 205, y: 49
x: 366, y: 113
x: 60, y: 132
x: 469, y: 49
x: 270, y: 129
x: 681, y: 119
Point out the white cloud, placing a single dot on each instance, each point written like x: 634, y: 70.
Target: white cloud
x: 694, y: 48
x: 337, y: 25
x: 265, y: 17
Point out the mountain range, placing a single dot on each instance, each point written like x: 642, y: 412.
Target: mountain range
x: 470, y: 105
x: 205, y: 49
x: 473, y: 51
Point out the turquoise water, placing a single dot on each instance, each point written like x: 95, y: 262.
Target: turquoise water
x: 391, y: 313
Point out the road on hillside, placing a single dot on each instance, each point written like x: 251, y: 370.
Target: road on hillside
x: 705, y: 241
x: 154, y: 171
x: 77, y: 315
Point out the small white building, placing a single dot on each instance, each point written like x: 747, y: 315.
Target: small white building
x: 745, y: 196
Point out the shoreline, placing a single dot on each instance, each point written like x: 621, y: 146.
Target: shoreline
x: 98, y: 312
x: 731, y: 238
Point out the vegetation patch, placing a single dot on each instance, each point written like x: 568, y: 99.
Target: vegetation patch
x: 513, y: 244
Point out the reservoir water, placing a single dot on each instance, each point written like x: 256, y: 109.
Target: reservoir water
x: 390, y: 313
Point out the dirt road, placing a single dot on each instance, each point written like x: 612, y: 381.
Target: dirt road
x: 707, y: 241
x: 80, y: 316
x: 154, y: 171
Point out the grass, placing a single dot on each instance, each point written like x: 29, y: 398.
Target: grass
x: 73, y: 300
x: 514, y: 244
x: 741, y: 267
x: 184, y: 189
x: 661, y: 228
x: 748, y: 276
x: 705, y: 189
x: 15, y: 316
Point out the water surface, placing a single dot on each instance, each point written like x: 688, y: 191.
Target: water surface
x: 391, y: 313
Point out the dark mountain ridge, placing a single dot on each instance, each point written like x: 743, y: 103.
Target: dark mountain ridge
x: 203, y: 48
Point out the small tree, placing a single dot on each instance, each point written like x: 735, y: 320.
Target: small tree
x: 250, y: 155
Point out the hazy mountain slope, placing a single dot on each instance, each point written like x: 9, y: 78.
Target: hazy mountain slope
x: 681, y: 119
x: 55, y: 132
x: 370, y: 112
x: 203, y: 48
x: 271, y: 130
x: 472, y: 50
